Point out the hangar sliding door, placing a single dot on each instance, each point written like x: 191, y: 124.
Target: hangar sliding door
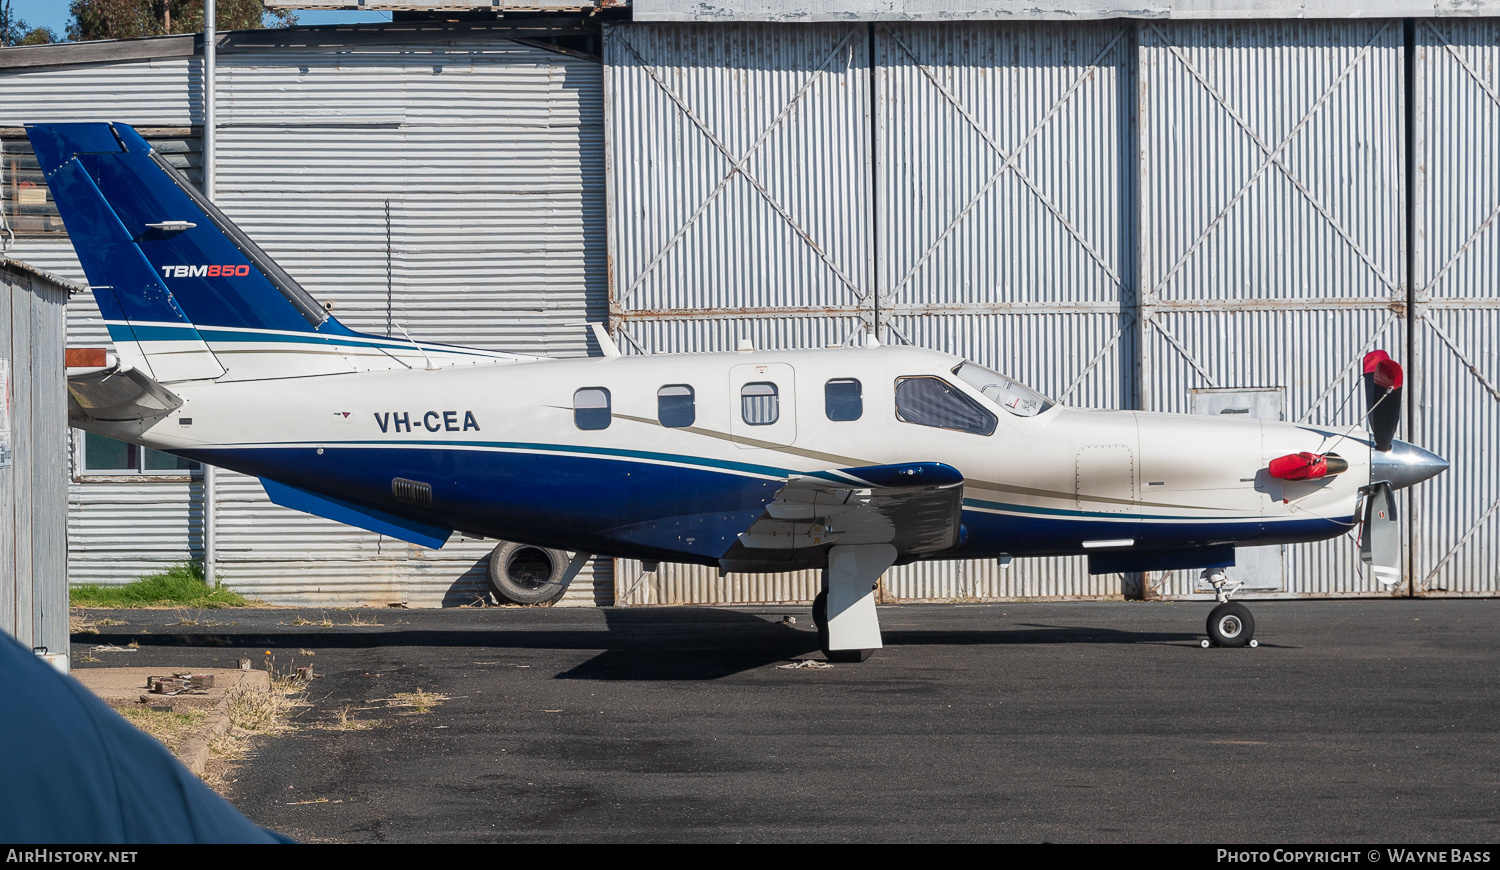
x: 1456, y: 403
x: 1272, y: 229
x: 739, y: 185
x: 1004, y: 230
x: 739, y: 208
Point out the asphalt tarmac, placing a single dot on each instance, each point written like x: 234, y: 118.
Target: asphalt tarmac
x: 1353, y: 722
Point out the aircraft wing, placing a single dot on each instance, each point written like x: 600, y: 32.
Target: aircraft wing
x: 915, y: 507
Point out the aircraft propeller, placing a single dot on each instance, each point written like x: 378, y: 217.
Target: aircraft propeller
x: 1380, y: 533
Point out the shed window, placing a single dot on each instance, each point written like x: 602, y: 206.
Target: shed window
x: 106, y: 456
x: 929, y: 401
x: 591, y: 408
x: 760, y: 404
x: 843, y: 400
x: 27, y: 201
x: 674, y: 406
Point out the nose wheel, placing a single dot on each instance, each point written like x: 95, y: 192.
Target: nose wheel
x: 1230, y: 623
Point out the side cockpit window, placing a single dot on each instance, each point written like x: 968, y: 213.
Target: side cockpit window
x: 929, y: 401
x: 591, y: 408
x: 843, y: 400
x: 675, y: 407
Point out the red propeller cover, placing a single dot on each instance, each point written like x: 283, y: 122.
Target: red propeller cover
x: 1299, y: 466
x: 1387, y: 371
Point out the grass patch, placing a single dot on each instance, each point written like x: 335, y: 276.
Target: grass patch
x: 181, y: 585
x: 169, y: 728
x: 347, y: 722
x: 420, y: 701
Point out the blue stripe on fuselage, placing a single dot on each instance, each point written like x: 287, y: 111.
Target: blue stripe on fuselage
x: 161, y: 332
x: 657, y: 506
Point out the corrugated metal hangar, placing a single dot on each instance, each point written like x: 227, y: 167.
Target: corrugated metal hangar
x: 1190, y: 210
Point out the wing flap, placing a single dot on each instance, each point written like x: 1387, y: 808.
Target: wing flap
x: 915, y: 507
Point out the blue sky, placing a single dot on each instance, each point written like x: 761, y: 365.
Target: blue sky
x: 54, y: 14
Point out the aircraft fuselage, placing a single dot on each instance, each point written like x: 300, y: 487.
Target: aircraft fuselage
x: 672, y: 457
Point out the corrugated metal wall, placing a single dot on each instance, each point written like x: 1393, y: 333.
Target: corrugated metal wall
x: 1272, y: 228
x: 490, y: 153
x: 1120, y: 214
x: 1456, y: 545
x: 33, y: 479
x: 739, y: 185
x: 1115, y: 213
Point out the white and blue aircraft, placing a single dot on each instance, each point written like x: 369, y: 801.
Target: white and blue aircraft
x: 849, y: 460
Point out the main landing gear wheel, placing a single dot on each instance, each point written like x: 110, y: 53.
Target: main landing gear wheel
x: 1231, y: 625
x: 820, y: 619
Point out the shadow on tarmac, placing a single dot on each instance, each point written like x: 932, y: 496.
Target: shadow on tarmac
x: 679, y: 643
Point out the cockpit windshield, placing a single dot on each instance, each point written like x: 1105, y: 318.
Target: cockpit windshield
x: 1011, y: 395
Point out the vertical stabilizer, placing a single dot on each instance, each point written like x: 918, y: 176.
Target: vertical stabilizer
x: 185, y: 293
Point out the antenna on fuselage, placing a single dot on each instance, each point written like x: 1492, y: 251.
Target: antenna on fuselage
x: 607, y: 345
x: 420, y: 349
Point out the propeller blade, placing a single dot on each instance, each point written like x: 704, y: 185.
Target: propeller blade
x: 1380, y: 535
x: 1383, y: 380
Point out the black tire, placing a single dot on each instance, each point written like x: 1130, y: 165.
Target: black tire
x: 820, y: 610
x: 523, y: 574
x: 1231, y: 625
x: 847, y: 656
x: 820, y: 619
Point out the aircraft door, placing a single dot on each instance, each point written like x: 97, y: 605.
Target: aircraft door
x: 765, y: 407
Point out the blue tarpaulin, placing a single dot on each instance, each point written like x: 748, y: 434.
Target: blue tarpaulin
x: 73, y: 771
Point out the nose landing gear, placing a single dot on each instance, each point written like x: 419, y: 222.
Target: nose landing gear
x: 1230, y: 623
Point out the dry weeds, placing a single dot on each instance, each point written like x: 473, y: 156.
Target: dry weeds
x: 419, y: 701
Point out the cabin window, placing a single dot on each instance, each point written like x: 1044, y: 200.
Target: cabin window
x: 674, y: 406
x: 843, y: 400
x: 591, y: 408
x: 929, y: 401
x: 760, y: 404
x: 106, y: 456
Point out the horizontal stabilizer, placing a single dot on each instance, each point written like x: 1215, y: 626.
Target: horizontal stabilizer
x: 117, y: 394
x: 338, y: 510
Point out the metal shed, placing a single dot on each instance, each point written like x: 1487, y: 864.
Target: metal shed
x: 33, y: 470
x: 443, y: 181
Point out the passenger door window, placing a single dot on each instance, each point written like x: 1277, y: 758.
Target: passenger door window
x: 760, y: 404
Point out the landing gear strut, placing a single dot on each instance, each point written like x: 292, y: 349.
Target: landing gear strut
x: 1230, y: 623
x: 844, y: 612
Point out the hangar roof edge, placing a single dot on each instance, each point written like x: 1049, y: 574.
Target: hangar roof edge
x: 322, y: 36
x: 809, y: 11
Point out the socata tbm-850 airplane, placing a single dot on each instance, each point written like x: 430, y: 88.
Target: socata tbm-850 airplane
x: 846, y: 459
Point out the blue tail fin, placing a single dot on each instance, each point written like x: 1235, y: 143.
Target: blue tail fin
x: 162, y: 261
x: 184, y: 292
